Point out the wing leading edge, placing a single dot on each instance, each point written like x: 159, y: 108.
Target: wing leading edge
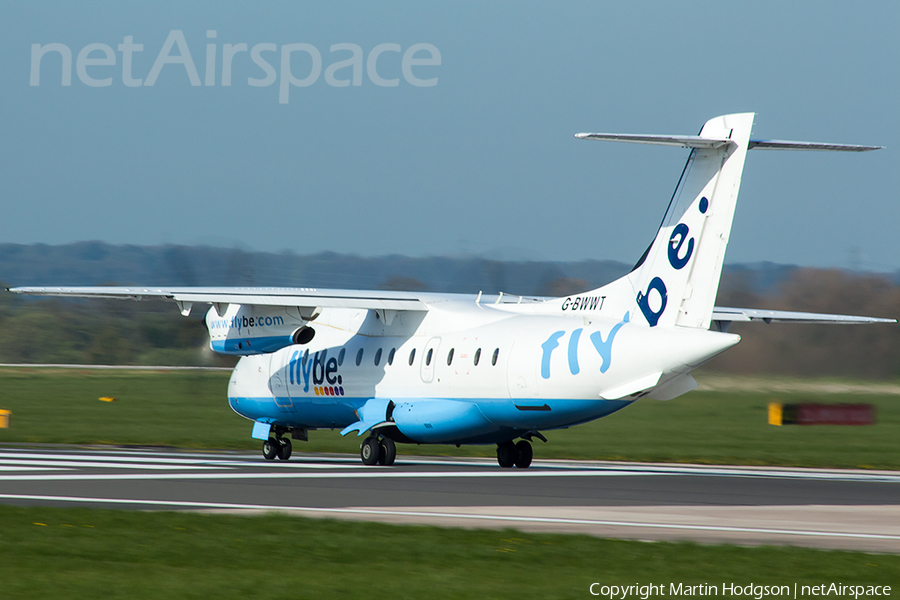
x: 299, y: 297
x: 368, y: 299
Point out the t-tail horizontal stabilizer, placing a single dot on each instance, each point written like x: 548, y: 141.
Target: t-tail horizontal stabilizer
x: 695, y: 141
x: 676, y: 281
x: 725, y: 314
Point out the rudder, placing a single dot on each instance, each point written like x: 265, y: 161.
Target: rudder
x: 676, y: 281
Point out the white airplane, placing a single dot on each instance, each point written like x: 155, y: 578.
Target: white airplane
x: 460, y: 369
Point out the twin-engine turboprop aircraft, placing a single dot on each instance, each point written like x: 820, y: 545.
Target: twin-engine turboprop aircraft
x: 458, y: 369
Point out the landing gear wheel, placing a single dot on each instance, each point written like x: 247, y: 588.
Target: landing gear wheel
x: 388, y: 452
x: 370, y: 451
x: 506, y: 454
x: 284, y: 448
x: 270, y: 449
x: 524, y: 454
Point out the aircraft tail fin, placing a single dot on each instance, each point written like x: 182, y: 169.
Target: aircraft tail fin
x: 676, y: 280
x: 684, y: 262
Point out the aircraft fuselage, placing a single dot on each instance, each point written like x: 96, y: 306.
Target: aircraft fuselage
x: 465, y: 372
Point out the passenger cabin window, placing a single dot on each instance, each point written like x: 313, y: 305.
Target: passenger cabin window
x: 359, y: 357
x: 428, y: 356
x: 494, y: 357
x: 477, y: 356
x: 391, y: 356
x: 412, y: 356
x: 450, y: 357
x: 377, y: 357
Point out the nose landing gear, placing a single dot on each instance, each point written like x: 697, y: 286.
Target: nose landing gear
x: 509, y: 454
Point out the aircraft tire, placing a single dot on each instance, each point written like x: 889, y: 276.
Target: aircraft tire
x: 388, y: 452
x: 370, y: 451
x: 506, y: 454
x: 284, y: 449
x: 270, y: 449
x: 524, y: 454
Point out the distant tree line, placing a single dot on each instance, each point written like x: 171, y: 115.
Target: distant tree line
x: 869, y: 351
x: 62, y: 331
x: 41, y: 330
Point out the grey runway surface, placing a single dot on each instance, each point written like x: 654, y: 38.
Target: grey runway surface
x: 746, y: 505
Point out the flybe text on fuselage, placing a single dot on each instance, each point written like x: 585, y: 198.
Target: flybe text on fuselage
x: 317, y: 369
x: 601, y: 345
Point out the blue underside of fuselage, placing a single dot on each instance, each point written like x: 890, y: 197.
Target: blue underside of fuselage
x: 504, y: 418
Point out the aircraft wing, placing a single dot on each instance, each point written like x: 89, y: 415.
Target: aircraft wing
x: 779, y: 316
x: 187, y: 296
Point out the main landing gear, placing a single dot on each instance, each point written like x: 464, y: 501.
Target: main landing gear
x: 279, y: 448
x: 509, y: 454
x: 378, y: 451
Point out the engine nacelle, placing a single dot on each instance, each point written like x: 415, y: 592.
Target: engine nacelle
x: 248, y: 330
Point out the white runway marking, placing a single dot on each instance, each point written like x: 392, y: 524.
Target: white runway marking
x: 68, y: 466
x: 369, y: 473
x: 7, y: 467
x: 228, y: 466
x: 106, y: 458
x: 449, y: 515
x: 244, y: 475
x: 101, y: 465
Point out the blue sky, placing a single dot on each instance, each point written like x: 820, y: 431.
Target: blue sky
x: 484, y: 161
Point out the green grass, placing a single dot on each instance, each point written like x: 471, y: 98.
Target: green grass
x: 175, y: 408
x: 89, y: 553
x: 189, y: 409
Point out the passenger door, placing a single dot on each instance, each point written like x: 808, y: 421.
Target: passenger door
x: 278, y: 382
x: 429, y: 359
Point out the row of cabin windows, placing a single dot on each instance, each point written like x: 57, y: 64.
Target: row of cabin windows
x: 412, y: 356
x: 475, y: 359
